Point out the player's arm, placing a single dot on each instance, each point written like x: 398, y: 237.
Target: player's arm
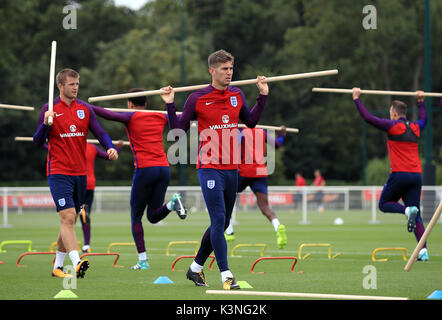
x: 102, y: 136
x: 104, y: 155
x: 279, y: 140
x: 43, y: 128
x: 124, y: 117
x: 383, y: 124
x: 183, y: 121
x: 422, y: 121
x: 251, y: 117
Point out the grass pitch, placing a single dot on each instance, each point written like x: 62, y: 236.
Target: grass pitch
x: 354, y: 241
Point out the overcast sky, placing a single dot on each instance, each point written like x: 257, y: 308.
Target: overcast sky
x: 133, y: 4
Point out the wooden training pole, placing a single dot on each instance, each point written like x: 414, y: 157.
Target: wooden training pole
x: 13, y: 107
x: 94, y: 141
x: 302, y: 295
x: 421, y: 242
x: 378, y: 92
x: 197, y: 87
x: 294, y: 130
x: 51, y: 80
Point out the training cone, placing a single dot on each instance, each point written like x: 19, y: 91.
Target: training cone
x: 244, y: 285
x: 65, y: 294
x: 163, y: 280
x: 435, y: 295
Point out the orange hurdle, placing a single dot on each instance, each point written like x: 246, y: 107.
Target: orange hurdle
x: 182, y: 257
x: 274, y: 258
x: 104, y: 254
x: 32, y: 253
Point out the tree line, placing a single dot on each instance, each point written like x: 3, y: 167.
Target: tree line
x: 168, y: 42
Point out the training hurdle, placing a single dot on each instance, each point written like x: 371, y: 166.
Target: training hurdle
x: 172, y: 243
x: 54, y: 244
x: 33, y: 253
x: 114, y: 244
x: 328, y: 245
x: 184, y: 257
x: 28, y: 242
x: 241, y: 245
x: 373, y: 255
x: 303, y: 295
x: 274, y: 258
x: 104, y: 254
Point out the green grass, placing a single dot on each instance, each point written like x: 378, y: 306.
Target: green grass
x: 355, y: 241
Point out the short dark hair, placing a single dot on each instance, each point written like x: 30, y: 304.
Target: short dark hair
x: 400, y: 107
x: 218, y: 57
x: 138, y: 101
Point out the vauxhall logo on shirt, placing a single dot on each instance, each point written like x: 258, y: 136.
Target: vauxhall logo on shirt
x: 226, y: 125
x: 73, y: 132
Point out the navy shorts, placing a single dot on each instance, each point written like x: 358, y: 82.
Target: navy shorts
x: 405, y: 185
x: 149, y: 189
x: 67, y: 191
x: 256, y: 184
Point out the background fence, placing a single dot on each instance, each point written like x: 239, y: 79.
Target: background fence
x: 304, y: 200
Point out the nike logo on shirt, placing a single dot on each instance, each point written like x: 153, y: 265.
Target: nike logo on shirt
x: 207, y: 103
x: 59, y: 114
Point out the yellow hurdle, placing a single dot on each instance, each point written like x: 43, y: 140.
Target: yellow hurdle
x: 114, y: 244
x: 263, y: 245
x: 328, y: 245
x: 28, y: 242
x: 373, y: 255
x: 172, y: 243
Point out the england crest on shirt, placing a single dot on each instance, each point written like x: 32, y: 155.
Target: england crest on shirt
x: 80, y: 114
x: 233, y: 101
x: 210, y: 184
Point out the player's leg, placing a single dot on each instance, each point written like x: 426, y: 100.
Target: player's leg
x: 230, y: 190
x: 412, y: 200
x: 60, y: 254
x: 157, y: 210
x: 391, y: 193
x: 68, y: 194
x: 79, y: 199
x: 260, y: 188
x: 138, y: 202
x: 86, y: 220
x: 229, y: 233
x: 212, y: 186
x: 195, y: 272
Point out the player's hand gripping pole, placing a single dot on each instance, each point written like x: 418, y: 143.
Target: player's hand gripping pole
x: 198, y: 87
x: 378, y: 92
x: 421, y: 242
x: 51, y: 80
